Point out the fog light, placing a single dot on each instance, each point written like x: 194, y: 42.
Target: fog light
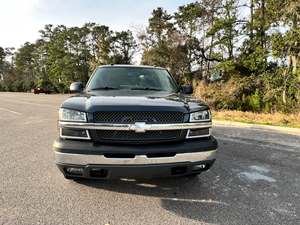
x: 199, y: 167
x: 74, y: 133
x: 197, y: 133
x: 74, y: 171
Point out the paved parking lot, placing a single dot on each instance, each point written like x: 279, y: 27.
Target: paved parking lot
x: 256, y: 179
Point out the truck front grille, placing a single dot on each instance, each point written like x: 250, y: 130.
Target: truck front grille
x: 132, y: 117
x: 131, y: 137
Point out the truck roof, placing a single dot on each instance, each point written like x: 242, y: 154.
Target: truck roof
x: 132, y: 66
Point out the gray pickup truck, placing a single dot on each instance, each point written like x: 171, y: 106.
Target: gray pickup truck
x: 133, y: 121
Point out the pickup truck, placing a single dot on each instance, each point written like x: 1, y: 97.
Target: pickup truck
x: 133, y: 121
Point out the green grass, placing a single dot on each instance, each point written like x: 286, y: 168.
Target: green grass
x: 275, y: 119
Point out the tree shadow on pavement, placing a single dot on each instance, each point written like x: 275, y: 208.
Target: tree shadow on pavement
x: 220, y: 195
x: 204, y: 198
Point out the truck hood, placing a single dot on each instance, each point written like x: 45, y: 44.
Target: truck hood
x: 124, y: 100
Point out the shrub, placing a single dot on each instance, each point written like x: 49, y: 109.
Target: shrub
x: 271, y: 91
x: 254, y: 101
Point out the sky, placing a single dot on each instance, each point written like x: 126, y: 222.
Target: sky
x: 21, y: 20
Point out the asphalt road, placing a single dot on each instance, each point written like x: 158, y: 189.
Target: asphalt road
x: 256, y: 179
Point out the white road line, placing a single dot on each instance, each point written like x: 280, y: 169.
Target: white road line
x: 11, y: 111
x: 257, y: 127
x: 207, y: 201
x: 33, y: 103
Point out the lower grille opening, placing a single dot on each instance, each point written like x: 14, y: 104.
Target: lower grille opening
x: 178, y: 170
x: 98, y: 173
x: 161, y: 154
x: 119, y: 155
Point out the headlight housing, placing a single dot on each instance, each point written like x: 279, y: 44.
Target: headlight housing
x: 72, y: 115
x: 200, y: 116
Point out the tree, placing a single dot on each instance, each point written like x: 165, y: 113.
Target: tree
x: 291, y: 18
x: 2, y: 57
x: 25, y: 65
x: 159, y: 26
x: 160, y: 41
x: 286, y: 46
x: 243, y: 61
x: 155, y: 40
x: 7, y: 70
x: 100, y: 45
x: 59, y: 64
x: 123, y: 47
x: 189, y: 18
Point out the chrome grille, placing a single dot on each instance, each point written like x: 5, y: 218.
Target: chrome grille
x: 110, y: 136
x: 132, y: 117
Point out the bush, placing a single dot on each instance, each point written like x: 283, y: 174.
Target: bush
x: 272, y: 91
x: 254, y: 102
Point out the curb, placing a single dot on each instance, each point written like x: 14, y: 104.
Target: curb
x: 287, y: 130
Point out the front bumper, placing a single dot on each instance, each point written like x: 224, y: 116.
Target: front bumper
x: 79, y: 159
x: 136, y: 171
x: 159, y: 160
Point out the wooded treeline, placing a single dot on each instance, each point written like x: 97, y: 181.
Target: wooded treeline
x: 241, y: 55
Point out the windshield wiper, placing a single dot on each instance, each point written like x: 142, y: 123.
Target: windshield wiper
x: 104, y: 88
x: 146, y: 89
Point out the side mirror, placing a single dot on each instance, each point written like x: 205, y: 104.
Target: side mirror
x: 187, y: 89
x: 76, y: 87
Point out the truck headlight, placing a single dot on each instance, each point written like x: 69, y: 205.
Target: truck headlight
x: 72, y: 115
x: 200, y: 116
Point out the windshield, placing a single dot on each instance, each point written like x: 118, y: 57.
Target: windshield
x: 135, y: 78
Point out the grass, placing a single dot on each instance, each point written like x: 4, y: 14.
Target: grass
x: 274, y: 119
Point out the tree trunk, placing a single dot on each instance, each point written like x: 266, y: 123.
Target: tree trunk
x: 211, y: 43
x: 285, y: 74
x: 294, y: 62
x: 295, y: 57
x: 251, y: 20
x: 262, y: 28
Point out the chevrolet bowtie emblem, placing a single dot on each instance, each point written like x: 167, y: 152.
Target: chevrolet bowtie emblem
x: 139, y: 127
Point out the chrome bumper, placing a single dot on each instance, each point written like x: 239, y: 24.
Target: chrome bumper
x: 137, y: 127
x: 81, y: 159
